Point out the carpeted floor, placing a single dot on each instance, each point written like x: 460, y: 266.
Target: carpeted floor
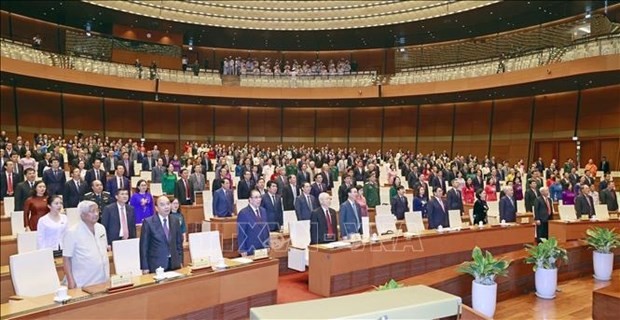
x: 294, y: 287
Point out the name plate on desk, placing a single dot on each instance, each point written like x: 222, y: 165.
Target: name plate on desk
x: 120, y: 281
x: 613, y: 216
x: 201, y: 263
x: 260, y: 254
x: 584, y: 217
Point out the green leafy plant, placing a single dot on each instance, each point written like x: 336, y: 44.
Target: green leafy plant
x: 392, y: 284
x: 602, y: 240
x: 546, y: 254
x: 484, y: 267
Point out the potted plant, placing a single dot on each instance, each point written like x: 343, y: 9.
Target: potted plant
x: 603, y: 241
x: 484, y: 268
x: 545, y: 256
x: 392, y: 284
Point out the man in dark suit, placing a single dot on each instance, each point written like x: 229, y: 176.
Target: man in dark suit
x: 117, y: 181
x: 604, y: 165
x: 437, y: 211
x: 281, y: 180
x: 161, y: 240
x: 438, y: 181
x: 573, y: 176
x: 413, y: 177
x: 223, y: 200
x: 540, y: 165
x: 323, y: 225
x: 127, y: 164
x: 218, y: 181
x: 359, y: 173
x: 584, y: 204
x: 54, y: 178
x: 45, y: 163
x: 74, y: 190
x: 158, y: 171
x: 543, y: 212
x: 8, y: 180
x: 118, y: 218
x: 272, y: 203
x: 478, y: 181
x: 96, y: 173
x: 109, y: 163
x: 530, y: 196
x: 305, y: 203
x: 23, y: 189
x: 245, y: 185
x: 290, y: 192
x: 183, y: 189
x: 399, y: 203
x: 303, y: 175
x: 17, y: 167
x: 608, y: 197
x: 148, y: 163
x: 350, y: 215
x: 455, y: 198
x: 328, y: 180
x: 317, y: 187
x: 508, y: 206
x: 342, y: 190
x: 252, y: 228
x: 98, y: 196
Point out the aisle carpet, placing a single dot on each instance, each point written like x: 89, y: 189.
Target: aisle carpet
x: 294, y: 287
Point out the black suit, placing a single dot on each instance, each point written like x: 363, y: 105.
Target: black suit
x: 90, y: 177
x: 273, y: 208
x: 155, y: 249
x: 399, y: 206
x: 542, y: 214
x: 328, y: 182
x: 455, y: 200
x: 478, y: 182
x: 609, y: 198
x: 342, y: 193
x: 584, y: 205
x: 288, y: 198
x: 604, y: 166
x: 437, y: 214
x: 19, y: 172
x: 145, y: 164
x: 22, y: 192
x: 42, y: 164
x: 111, y: 221
x: 72, y: 195
x: 243, y: 189
x: 180, y: 192
x: 303, y: 176
x: 4, y: 187
x: 129, y: 172
x: 530, y: 199
x: 54, y: 182
x: 319, y: 226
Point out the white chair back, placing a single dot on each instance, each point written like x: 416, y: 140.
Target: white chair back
x: 493, y: 208
x: 73, y: 216
x: 9, y: 206
x: 126, y: 254
x: 134, y: 181
x: 471, y: 216
x: 156, y: 189
x: 385, y: 223
x: 137, y: 168
x: 34, y: 273
x: 567, y: 212
x: 383, y: 210
x: 414, y: 222
x: 289, y: 217
x: 601, y: 211
x: 454, y: 217
x: 521, y: 206
x: 146, y: 175
x: 207, y: 204
x: 300, y: 234
x: 26, y: 241
x: 205, y: 245
x: 240, y: 204
x: 17, y: 222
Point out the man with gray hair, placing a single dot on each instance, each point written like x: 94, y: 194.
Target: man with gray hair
x: 85, y: 246
x: 508, y: 206
x: 323, y: 226
x: 543, y: 212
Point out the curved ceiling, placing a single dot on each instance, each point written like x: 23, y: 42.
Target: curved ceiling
x: 493, y: 18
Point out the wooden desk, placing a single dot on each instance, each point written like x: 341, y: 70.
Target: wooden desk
x: 5, y: 225
x: 193, y: 214
x: 339, y: 271
x: 566, y: 231
x: 8, y: 247
x: 606, y: 301
x: 228, y: 234
x: 206, y: 295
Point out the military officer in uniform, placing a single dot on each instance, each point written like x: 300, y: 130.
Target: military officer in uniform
x: 100, y: 197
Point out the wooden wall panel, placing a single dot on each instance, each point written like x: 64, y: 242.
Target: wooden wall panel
x: 600, y: 112
x: 39, y: 111
x: 7, y: 110
x: 161, y: 121
x: 25, y: 28
x: 471, y: 128
x: 511, y: 127
x: 566, y: 150
x: 365, y: 131
x: 82, y: 113
x: 298, y: 126
x: 196, y: 122
x: 231, y: 125
x: 399, y: 130
x: 435, y: 132
x: 610, y: 148
x: 332, y: 127
x: 555, y: 116
x: 5, y: 25
x: 265, y: 126
x: 123, y: 118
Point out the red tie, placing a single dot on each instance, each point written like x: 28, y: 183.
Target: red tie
x: 10, y: 183
x: 330, y: 229
x: 186, y: 189
x: 548, y: 208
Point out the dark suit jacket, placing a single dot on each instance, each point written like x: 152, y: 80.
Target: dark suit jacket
x: 540, y: 210
x: 302, y: 209
x: 72, y: 195
x: 275, y: 215
x: 437, y: 183
x: 347, y: 219
x: 436, y: 215
x: 342, y: 193
x: 110, y: 220
x: 217, y: 185
x: 243, y: 189
x: 54, y: 183
x: 303, y: 176
x: 155, y: 248
x: 507, y: 210
x: 223, y: 203
x: 359, y: 175
x: 455, y: 200
x: 288, y: 198
x: 582, y: 206
x: 4, y: 186
x: 604, y: 166
x: 399, y: 207
x: 316, y: 189
x: 609, y: 198
x: 129, y: 172
x: 145, y: 164
x: 42, y: 165
x: 112, y: 185
x: 318, y: 226
x: 22, y: 192
x: 530, y: 198
x: 89, y: 177
x: 179, y: 192
x: 106, y: 164
x: 478, y: 184
x: 253, y: 232
x: 480, y: 211
x: 328, y: 183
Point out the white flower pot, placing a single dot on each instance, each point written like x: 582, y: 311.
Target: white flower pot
x: 603, y: 265
x: 546, y: 281
x: 484, y: 298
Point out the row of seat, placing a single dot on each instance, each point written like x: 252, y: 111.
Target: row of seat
x: 360, y: 80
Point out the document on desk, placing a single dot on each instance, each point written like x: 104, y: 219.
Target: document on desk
x: 337, y: 244
x: 242, y: 260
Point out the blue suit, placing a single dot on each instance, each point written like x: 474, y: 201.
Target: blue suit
x: 507, y: 210
x: 399, y: 207
x: 223, y: 203
x: 112, y: 185
x: 436, y: 215
x: 350, y: 222
x: 155, y: 248
x: 253, y: 232
x: 302, y: 208
x: 55, y: 183
x: 275, y: 215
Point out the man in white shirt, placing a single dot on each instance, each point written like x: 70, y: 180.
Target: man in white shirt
x: 85, y: 255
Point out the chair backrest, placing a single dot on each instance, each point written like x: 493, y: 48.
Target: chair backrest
x: 521, y: 206
x: 146, y: 176
x: 126, y: 254
x: 156, y: 189
x: 454, y: 217
x: 385, y: 223
x: 567, y: 212
x: 9, y: 206
x: 73, y: 216
x: 289, y: 217
x: 134, y: 181
x: 26, y: 241
x: 414, y: 221
x: 241, y: 203
x: 34, y: 273
x: 137, y: 168
x: 470, y: 212
x: 601, y: 211
x: 300, y: 234
x: 493, y: 208
x: 205, y: 245
x: 17, y: 222
x: 383, y: 210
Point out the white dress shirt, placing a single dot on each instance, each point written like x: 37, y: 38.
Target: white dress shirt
x: 50, y: 232
x: 88, y: 253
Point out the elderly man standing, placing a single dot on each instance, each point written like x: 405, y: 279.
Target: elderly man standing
x: 85, y: 255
